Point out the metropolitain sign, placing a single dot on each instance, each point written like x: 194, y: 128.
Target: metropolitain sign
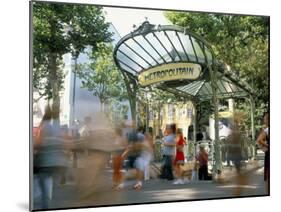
x: 170, y: 72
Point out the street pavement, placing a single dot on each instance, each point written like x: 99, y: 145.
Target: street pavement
x: 159, y: 190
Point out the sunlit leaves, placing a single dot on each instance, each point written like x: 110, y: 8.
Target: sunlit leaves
x: 240, y: 41
x: 59, y: 29
x: 101, y: 76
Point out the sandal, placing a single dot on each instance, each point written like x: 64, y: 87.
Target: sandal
x: 138, y: 185
x: 119, y: 187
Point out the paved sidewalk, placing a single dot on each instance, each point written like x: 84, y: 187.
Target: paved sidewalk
x: 158, y: 190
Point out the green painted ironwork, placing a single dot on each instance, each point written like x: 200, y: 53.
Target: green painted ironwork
x: 151, y: 44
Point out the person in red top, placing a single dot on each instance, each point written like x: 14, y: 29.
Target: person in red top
x: 179, y: 159
x: 202, y: 158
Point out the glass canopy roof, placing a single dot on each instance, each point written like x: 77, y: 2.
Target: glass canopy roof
x: 150, y: 45
x: 226, y: 89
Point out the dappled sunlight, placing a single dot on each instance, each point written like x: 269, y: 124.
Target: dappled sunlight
x: 156, y: 115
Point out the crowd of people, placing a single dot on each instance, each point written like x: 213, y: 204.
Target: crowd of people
x: 127, y: 147
x: 141, y: 150
x: 55, y: 150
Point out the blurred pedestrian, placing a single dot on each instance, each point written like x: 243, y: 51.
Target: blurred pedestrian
x: 142, y: 161
x: 264, y: 143
x: 147, y: 154
x: 235, y: 149
x: 85, y: 130
x: 44, y: 130
x: 66, y: 133
x: 98, y: 139
x: 234, y: 146
x: 135, y: 154
x: 169, y: 152
x: 44, y: 127
x: 179, y: 159
x: 86, y: 134
x: 139, y: 163
x: 68, y: 144
x: 202, y: 158
x: 50, y: 160
x: 131, y: 153
x: 117, y: 159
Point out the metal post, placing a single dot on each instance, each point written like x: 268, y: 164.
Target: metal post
x: 217, y: 163
x: 252, y: 104
x: 74, y: 92
x: 194, y: 127
x: 147, y: 117
x: 136, y: 118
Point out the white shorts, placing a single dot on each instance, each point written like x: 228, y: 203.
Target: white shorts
x: 143, y: 161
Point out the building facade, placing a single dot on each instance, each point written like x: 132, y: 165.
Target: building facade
x: 76, y: 102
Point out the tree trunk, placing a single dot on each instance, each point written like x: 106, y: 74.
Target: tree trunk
x: 132, y: 94
x: 54, y: 57
x: 101, y: 106
x: 55, y: 86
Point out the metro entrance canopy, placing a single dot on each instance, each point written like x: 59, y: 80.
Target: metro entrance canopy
x: 176, y: 60
x: 162, y: 47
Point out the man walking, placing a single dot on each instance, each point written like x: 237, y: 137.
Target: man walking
x: 169, y: 152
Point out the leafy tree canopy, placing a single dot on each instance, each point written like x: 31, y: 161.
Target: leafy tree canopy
x: 101, y: 76
x: 59, y: 29
x: 239, y: 41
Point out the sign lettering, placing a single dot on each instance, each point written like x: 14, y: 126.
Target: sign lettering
x: 170, y: 72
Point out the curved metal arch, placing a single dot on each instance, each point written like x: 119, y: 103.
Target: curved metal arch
x: 147, y: 28
x: 213, y: 67
x: 157, y: 59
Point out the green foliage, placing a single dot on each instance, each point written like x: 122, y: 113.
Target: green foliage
x: 159, y: 97
x: 59, y: 29
x: 101, y: 76
x: 239, y: 41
